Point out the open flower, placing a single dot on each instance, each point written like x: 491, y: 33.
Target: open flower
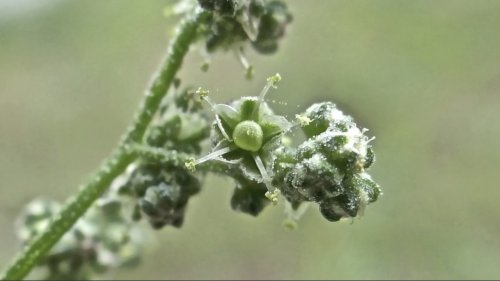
x: 245, y: 134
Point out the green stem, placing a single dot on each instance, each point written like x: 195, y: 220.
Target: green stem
x: 177, y: 159
x: 119, y: 159
x: 160, y: 155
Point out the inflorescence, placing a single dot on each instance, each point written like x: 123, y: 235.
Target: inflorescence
x: 247, y: 141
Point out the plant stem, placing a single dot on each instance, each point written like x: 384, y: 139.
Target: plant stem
x: 160, y: 155
x: 119, y: 159
x: 176, y: 159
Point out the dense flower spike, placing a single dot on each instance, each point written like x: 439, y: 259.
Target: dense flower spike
x: 103, y: 239
x: 329, y: 167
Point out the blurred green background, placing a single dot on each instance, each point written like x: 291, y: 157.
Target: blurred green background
x: 424, y: 76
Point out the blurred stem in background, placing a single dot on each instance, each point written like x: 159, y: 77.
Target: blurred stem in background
x: 119, y: 159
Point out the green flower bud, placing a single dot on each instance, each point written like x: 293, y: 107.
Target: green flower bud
x: 323, y: 116
x: 162, y: 193
x: 336, y: 137
x: 315, y: 178
x: 360, y: 191
x: 249, y: 197
x: 329, y: 167
x: 163, y: 205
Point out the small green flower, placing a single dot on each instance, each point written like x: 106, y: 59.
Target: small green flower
x: 245, y: 133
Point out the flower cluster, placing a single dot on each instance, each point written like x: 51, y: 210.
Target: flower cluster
x: 162, y: 191
x: 231, y: 25
x: 328, y: 168
x: 232, y: 22
x: 249, y: 142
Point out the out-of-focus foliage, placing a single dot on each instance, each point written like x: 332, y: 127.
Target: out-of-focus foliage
x: 422, y: 75
x: 103, y: 239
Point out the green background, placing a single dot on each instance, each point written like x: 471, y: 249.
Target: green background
x: 424, y: 76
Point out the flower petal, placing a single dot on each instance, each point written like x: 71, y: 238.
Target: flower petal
x: 227, y: 114
x: 249, y: 108
x: 273, y: 125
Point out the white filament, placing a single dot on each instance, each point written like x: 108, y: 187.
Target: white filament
x: 213, y: 155
x: 263, y: 172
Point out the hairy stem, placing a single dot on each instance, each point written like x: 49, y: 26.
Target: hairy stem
x: 176, y: 159
x: 160, y: 155
x: 119, y: 159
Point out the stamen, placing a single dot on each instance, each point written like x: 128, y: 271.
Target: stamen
x: 293, y: 216
x: 204, y: 96
x: 244, y: 62
x: 303, y: 120
x: 271, y: 82
x: 221, y: 128
x: 272, y: 193
x: 213, y: 155
x: 264, y: 91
